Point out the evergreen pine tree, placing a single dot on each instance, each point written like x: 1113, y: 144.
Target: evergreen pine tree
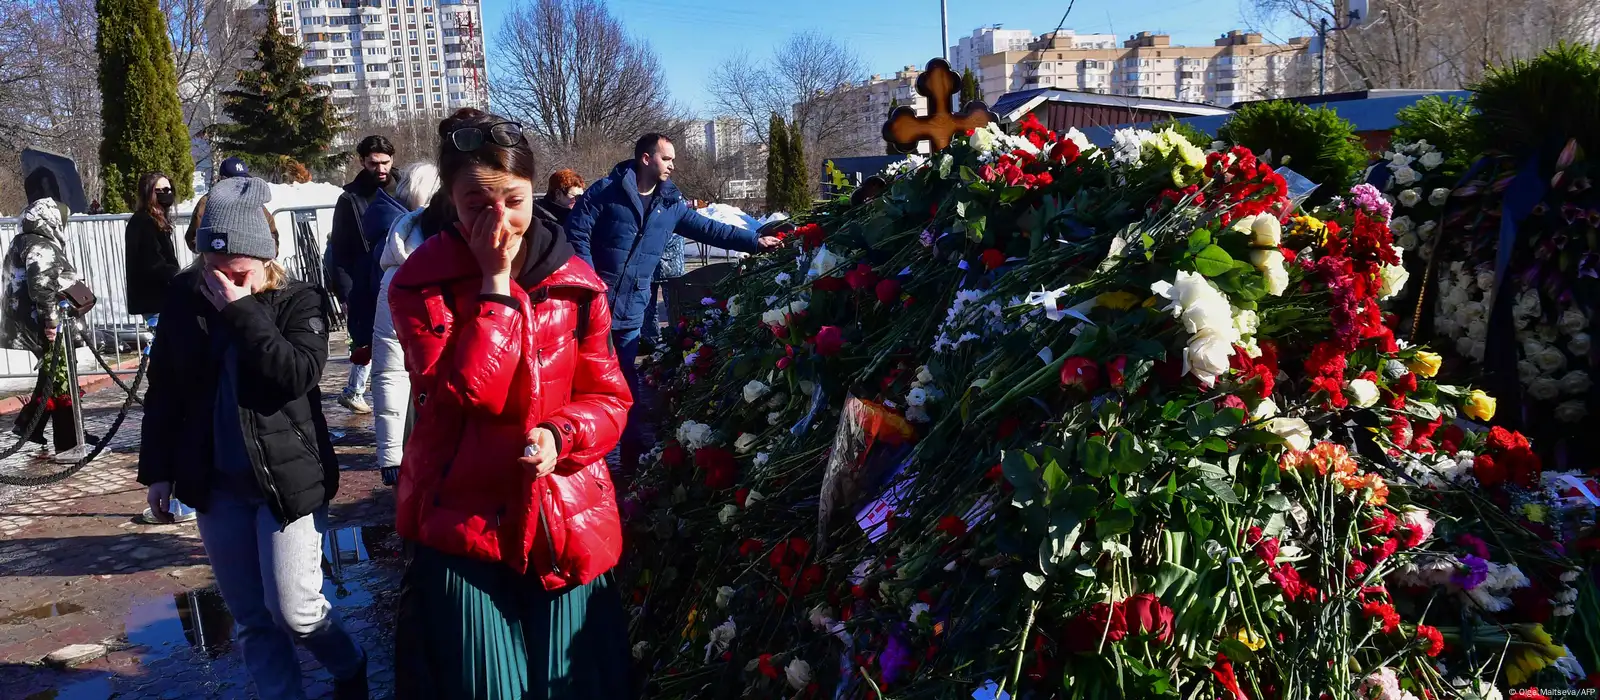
x: 280, y: 120
x: 777, y: 173
x: 969, y: 88
x: 142, y: 122
x: 799, y: 175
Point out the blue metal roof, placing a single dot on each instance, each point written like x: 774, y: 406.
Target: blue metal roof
x: 1370, y: 114
x: 1013, y: 100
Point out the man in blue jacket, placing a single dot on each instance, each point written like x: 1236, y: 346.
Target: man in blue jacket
x: 621, y: 225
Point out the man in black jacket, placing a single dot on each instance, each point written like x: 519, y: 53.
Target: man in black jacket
x: 349, y: 261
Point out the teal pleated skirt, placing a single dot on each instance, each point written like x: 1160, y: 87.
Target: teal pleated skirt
x: 475, y: 630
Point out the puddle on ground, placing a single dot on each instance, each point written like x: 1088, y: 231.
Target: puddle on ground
x: 94, y: 689
x: 200, y: 620
x: 43, y: 612
x: 195, y: 619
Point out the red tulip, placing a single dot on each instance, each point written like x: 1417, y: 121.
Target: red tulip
x: 830, y: 340
x: 1146, y: 615
x: 1117, y: 368
x: 992, y: 259
x: 888, y: 291
x: 861, y: 278
x: 1080, y: 373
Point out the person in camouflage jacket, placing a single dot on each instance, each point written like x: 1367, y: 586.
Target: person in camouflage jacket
x: 36, y: 272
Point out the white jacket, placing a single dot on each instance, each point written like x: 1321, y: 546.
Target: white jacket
x: 391, y: 387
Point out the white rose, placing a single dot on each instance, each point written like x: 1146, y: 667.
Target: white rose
x: 924, y: 375
x: 1464, y: 346
x: 1394, y: 280
x: 1548, y: 333
x: 798, y: 673
x: 1447, y: 327
x: 822, y: 263
x: 916, y: 397
x: 1478, y: 349
x: 1246, y: 322
x: 1550, y: 360
x: 1401, y: 225
x: 917, y: 611
x: 1474, y: 310
x: 1456, y: 297
x: 1270, y: 264
x: 1572, y: 411
x: 1527, y: 372
x: 1485, y: 280
x: 1544, y: 389
x: 1477, y: 330
x: 1572, y: 322
x: 754, y: 390
x: 1408, y: 241
x: 761, y: 460
x: 728, y: 513
x: 1410, y: 197
x: 774, y: 418
x: 733, y: 305
x: 1431, y: 160
x: 1194, y: 300
x: 1531, y: 347
x: 1425, y: 231
x: 1294, y: 432
x: 1264, y: 410
x: 1397, y: 159
x: 724, y: 597
x: 1266, y: 231
x: 983, y: 140
x: 1207, y: 355
x: 745, y: 443
x: 1363, y: 392
x: 1404, y: 176
x: 783, y: 279
x: 1579, y: 345
x: 1576, y: 382
x: 1438, y: 196
x: 694, y: 435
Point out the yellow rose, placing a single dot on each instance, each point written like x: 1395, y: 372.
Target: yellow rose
x: 1480, y: 406
x: 1120, y: 301
x: 1426, y: 364
x: 1250, y: 640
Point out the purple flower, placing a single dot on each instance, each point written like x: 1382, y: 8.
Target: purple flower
x: 1369, y: 198
x: 1472, y: 573
x: 895, y: 660
x: 1478, y: 547
x: 926, y: 238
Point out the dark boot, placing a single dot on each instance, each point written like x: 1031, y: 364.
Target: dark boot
x: 354, y: 687
x: 26, y: 416
x: 66, y: 426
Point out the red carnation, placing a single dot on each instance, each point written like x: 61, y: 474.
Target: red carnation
x: 1065, y: 151
x: 1288, y: 579
x: 1383, y: 523
x: 888, y: 291
x: 1145, y: 615
x: 766, y: 667
x: 673, y: 455
x: 830, y: 340
x: 952, y: 526
x: 1080, y: 373
x: 992, y: 259
x: 1434, y: 638
x: 811, y: 236
x: 1357, y: 570
x: 751, y: 547
x: 1378, y: 610
x: 1450, y: 441
x: 1384, y: 551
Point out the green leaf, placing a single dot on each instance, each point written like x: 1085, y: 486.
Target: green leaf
x: 1021, y: 471
x: 1129, y: 457
x: 1054, y: 479
x: 1172, y: 580
x: 1114, y: 523
x: 1277, y: 501
x: 1223, y: 491
x: 1237, y: 652
x: 1215, y: 444
x: 945, y: 164
x: 1060, y: 543
x: 1096, y: 456
x: 975, y: 229
x: 961, y: 209
x: 967, y: 175
x: 1173, y: 410
x: 1012, y: 194
x: 1199, y: 240
x: 1033, y: 581
x: 1258, y: 437
x: 1213, y: 261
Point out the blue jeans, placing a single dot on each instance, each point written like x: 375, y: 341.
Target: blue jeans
x: 651, y: 330
x: 271, y: 579
x: 627, y: 344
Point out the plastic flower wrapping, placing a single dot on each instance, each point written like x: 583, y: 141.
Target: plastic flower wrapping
x: 1048, y: 421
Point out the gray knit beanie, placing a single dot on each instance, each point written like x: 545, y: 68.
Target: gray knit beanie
x: 234, y: 222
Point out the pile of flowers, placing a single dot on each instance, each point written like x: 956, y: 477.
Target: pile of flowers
x: 1046, y: 421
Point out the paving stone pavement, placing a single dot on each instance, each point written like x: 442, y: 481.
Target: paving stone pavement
x: 75, y: 568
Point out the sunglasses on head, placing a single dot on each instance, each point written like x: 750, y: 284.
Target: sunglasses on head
x: 471, y: 138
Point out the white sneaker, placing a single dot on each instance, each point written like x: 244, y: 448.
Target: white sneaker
x: 355, y: 402
x: 72, y: 456
x: 149, y: 518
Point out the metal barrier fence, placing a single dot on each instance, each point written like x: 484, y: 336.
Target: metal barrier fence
x: 96, y: 245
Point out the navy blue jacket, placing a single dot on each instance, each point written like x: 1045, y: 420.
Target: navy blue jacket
x: 605, y: 229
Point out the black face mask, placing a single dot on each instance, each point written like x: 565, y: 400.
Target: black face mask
x: 166, y: 199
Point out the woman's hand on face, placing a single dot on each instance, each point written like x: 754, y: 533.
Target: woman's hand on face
x: 492, y: 242
x: 540, y: 457
x: 221, y: 290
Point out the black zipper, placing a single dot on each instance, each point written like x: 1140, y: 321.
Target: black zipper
x: 263, y: 473
x: 305, y: 441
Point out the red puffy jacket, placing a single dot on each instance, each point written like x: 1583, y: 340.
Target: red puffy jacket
x: 483, y: 375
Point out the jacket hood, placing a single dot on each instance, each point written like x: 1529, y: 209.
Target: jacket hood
x: 446, y: 258
x: 405, y: 236
x: 44, y: 217
x: 380, y: 216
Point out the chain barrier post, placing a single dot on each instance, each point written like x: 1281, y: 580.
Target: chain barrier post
x: 70, y: 326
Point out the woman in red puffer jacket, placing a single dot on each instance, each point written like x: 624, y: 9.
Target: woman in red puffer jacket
x: 504, y: 491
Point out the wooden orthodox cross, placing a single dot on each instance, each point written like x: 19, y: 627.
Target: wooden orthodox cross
x: 940, y: 85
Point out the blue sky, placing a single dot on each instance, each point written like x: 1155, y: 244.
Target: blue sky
x: 693, y: 36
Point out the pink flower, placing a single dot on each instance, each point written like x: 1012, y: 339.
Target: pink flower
x: 830, y: 340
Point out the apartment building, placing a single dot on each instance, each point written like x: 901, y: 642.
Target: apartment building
x: 1238, y: 66
x: 719, y: 138
x: 984, y: 41
x: 391, y: 59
